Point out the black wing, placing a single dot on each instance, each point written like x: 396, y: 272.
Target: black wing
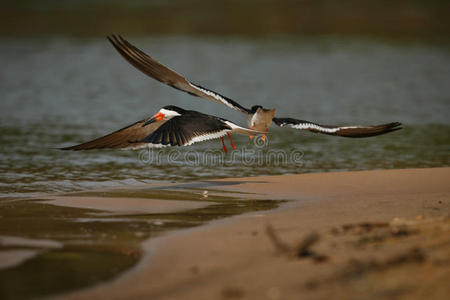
x: 186, y: 130
x: 346, y: 131
x: 158, y: 71
x: 126, y: 138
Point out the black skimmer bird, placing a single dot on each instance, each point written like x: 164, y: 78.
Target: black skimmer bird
x: 259, y: 118
x: 171, y: 126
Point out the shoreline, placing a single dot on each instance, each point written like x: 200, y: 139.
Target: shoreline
x: 253, y: 259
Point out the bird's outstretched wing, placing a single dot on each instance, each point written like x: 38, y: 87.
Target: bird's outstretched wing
x: 346, y: 131
x: 178, y: 131
x: 158, y: 71
x: 185, y: 131
x: 126, y: 138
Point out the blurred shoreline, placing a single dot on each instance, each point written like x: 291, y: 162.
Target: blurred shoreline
x: 416, y: 20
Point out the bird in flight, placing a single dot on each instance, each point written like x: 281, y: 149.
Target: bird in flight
x: 259, y: 118
x: 171, y: 126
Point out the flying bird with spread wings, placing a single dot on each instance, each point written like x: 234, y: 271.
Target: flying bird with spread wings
x: 259, y: 118
x: 174, y: 126
x: 171, y: 126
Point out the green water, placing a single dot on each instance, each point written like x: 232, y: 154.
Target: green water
x: 96, y: 247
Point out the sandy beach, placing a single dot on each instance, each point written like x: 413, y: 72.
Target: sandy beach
x: 348, y: 235
x: 305, y: 213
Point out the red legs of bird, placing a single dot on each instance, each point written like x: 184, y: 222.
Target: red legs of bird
x: 223, y: 144
x: 264, y: 136
x: 231, y: 141
x: 251, y: 136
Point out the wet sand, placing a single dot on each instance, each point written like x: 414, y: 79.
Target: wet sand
x: 125, y: 206
x: 14, y: 257
x: 352, y: 235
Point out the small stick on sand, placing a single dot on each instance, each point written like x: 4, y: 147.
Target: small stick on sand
x: 301, y: 250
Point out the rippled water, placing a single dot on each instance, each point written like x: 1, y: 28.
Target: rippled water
x: 56, y: 92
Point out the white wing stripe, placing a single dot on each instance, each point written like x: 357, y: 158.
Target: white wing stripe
x: 209, y: 136
x: 308, y: 126
x: 319, y: 128
x: 234, y: 126
x: 146, y: 145
x: 212, y: 94
x: 313, y: 126
x: 199, y: 138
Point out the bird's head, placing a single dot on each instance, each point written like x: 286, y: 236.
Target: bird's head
x: 165, y: 113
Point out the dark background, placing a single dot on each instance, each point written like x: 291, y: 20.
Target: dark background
x: 413, y: 19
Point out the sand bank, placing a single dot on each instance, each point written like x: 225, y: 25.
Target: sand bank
x: 16, y: 256
x: 124, y: 206
x: 371, y: 234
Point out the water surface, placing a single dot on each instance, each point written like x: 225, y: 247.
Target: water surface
x: 57, y: 92
x: 79, y: 247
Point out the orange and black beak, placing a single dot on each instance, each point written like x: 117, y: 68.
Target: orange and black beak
x: 156, y: 118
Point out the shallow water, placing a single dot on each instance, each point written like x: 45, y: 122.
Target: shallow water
x: 57, y: 92
x: 95, y: 246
